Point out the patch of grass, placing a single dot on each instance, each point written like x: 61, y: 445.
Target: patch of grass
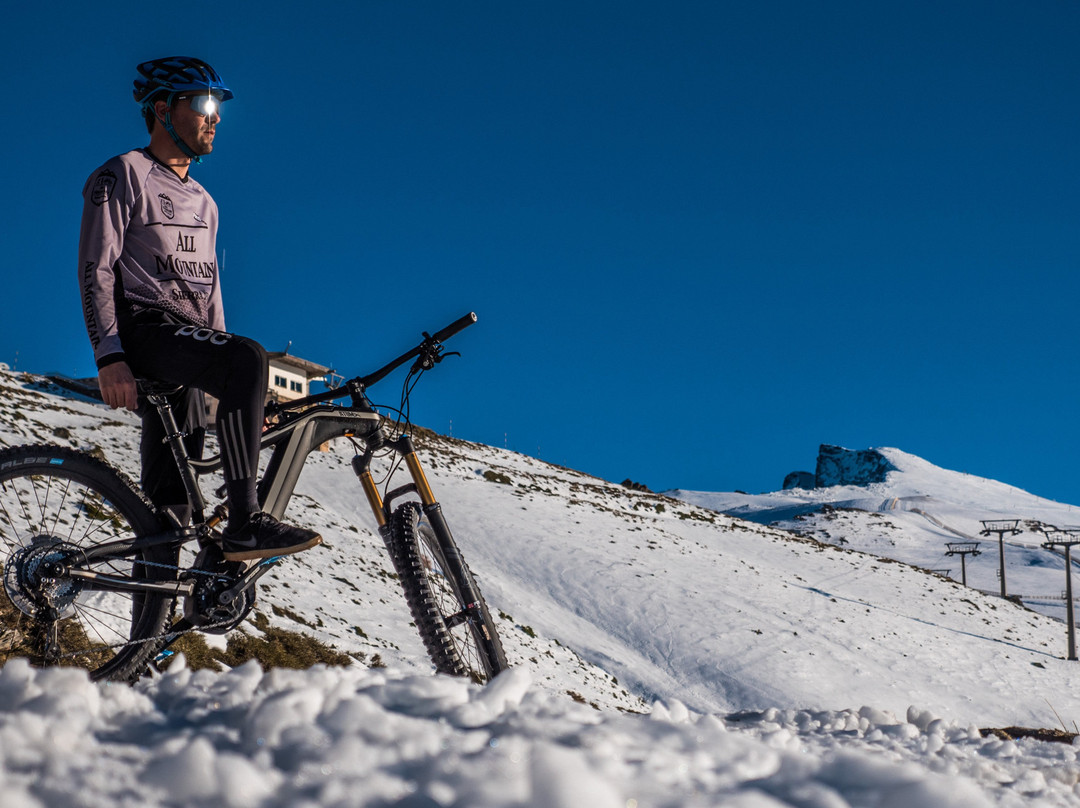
x: 23, y: 637
x: 581, y: 699
x: 277, y: 648
x: 345, y: 581
x: 95, y: 508
x: 695, y: 516
x: 1012, y: 733
x: 289, y: 614
x: 497, y: 477
x: 198, y: 654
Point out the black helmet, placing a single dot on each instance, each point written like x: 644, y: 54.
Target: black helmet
x: 165, y: 78
x: 177, y: 74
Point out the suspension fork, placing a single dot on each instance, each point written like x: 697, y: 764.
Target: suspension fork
x: 361, y: 464
x: 455, y: 564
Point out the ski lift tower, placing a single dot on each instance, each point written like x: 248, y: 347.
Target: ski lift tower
x: 963, y: 549
x: 1001, y: 527
x: 1067, y: 539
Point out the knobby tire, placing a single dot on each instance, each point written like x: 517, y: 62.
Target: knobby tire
x: 56, y: 497
x: 457, y: 645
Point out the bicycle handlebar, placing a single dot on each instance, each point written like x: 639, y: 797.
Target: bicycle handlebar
x: 431, y: 345
x: 458, y: 325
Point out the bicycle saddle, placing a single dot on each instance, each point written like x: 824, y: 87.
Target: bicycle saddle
x: 156, y: 387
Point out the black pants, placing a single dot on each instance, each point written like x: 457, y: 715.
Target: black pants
x: 231, y: 368
x: 160, y: 478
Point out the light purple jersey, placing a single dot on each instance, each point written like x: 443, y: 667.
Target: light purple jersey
x: 147, y: 243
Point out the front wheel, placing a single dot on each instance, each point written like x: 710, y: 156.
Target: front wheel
x: 55, y: 502
x: 460, y: 637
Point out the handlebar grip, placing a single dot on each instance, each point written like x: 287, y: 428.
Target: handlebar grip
x: 455, y: 326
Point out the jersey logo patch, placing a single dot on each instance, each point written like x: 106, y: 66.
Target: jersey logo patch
x: 103, y: 187
x: 166, y: 205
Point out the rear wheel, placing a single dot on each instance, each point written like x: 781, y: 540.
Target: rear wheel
x: 55, y: 502
x: 460, y: 638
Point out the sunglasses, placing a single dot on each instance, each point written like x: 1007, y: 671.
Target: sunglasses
x: 203, y: 104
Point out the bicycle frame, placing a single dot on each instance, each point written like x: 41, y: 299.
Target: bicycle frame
x: 78, y: 525
x: 292, y: 442
x: 305, y: 424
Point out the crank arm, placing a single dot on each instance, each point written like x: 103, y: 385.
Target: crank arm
x: 247, y: 580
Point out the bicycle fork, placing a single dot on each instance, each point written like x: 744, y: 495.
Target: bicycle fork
x: 382, y: 509
x: 361, y: 464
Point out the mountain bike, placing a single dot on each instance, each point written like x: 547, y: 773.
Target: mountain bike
x: 92, y: 573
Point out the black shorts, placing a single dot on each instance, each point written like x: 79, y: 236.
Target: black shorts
x: 231, y: 368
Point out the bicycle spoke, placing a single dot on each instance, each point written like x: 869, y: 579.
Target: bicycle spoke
x: 91, y: 619
x: 55, y: 502
x: 460, y: 639
x: 27, y: 520
x: 457, y: 618
x: 63, y: 498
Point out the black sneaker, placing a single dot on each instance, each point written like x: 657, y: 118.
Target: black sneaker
x: 264, y: 537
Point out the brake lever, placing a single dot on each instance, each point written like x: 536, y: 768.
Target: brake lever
x: 427, y: 360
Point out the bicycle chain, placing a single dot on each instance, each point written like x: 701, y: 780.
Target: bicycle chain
x: 163, y: 566
x: 168, y: 636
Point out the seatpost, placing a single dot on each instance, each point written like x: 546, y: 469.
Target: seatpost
x: 174, y: 438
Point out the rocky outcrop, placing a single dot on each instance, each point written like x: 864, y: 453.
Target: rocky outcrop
x: 800, y: 479
x: 839, y: 466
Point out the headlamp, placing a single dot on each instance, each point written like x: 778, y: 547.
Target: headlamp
x: 203, y: 104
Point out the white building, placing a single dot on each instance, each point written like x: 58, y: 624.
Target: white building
x: 291, y: 376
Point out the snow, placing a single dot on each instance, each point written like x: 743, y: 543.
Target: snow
x: 355, y: 736
x: 912, y: 517
x: 664, y: 654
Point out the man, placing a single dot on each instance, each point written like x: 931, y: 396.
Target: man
x: 152, y: 301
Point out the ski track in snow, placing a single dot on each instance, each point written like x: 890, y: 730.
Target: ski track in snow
x: 665, y: 655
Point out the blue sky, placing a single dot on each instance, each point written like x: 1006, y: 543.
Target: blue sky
x: 701, y: 237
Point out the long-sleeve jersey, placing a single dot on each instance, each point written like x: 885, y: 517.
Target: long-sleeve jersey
x: 147, y: 245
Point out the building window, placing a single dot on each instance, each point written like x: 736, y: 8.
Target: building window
x: 296, y: 387
x: 280, y: 381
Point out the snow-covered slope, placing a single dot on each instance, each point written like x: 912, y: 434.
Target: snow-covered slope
x: 787, y: 666
x: 914, y: 514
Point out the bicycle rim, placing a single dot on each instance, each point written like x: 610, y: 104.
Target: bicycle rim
x: 459, y: 642
x: 52, y: 502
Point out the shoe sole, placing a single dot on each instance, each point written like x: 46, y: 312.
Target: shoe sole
x: 256, y: 553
